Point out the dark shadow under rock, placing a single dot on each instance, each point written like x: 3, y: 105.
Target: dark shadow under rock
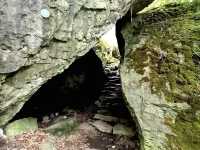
x: 76, y: 87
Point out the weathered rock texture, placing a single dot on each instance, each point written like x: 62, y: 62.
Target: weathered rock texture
x: 41, y: 38
x: 160, y: 76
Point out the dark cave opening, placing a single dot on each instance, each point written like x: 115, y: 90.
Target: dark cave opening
x: 84, y: 84
x: 84, y: 91
x: 84, y: 87
x: 77, y: 88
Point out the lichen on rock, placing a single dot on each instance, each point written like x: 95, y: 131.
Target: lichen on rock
x: 160, y: 77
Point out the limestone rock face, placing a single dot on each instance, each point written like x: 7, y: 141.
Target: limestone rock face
x: 160, y: 76
x: 41, y: 38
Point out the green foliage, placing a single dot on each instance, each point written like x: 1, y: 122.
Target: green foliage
x: 196, y: 4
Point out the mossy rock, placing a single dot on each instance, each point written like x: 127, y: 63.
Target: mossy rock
x: 62, y: 127
x: 21, y: 126
x: 161, y: 66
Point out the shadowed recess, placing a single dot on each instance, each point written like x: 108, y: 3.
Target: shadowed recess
x: 77, y: 87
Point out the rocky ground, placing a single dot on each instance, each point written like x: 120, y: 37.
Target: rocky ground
x: 84, y: 138
x: 105, y: 125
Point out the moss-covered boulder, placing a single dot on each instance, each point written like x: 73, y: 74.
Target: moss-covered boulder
x: 161, y: 76
x: 62, y: 127
x: 21, y: 126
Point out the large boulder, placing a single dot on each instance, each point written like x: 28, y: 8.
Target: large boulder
x: 161, y: 74
x: 41, y: 38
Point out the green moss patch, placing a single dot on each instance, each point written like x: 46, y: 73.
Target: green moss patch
x: 188, y: 135
x: 171, y: 52
x: 64, y: 127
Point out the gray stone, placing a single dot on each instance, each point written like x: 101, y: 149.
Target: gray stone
x: 10, y: 62
x: 21, y: 126
x: 105, y: 118
x: 86, y: 127
x: 35, y: 48
x: 62, y: 127
x: 98, y: 4
x: 102, y: 126
x: 120, y: 129
x: 45, y: 119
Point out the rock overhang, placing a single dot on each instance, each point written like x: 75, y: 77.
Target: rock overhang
x: 40, y: 39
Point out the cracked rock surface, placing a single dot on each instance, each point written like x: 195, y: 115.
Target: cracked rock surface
x: 160, y: 76
x: 41, y: 38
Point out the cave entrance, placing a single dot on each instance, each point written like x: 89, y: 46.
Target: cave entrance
x: 75, y: 88
x: 85, y: 86
x: 91, y: 94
